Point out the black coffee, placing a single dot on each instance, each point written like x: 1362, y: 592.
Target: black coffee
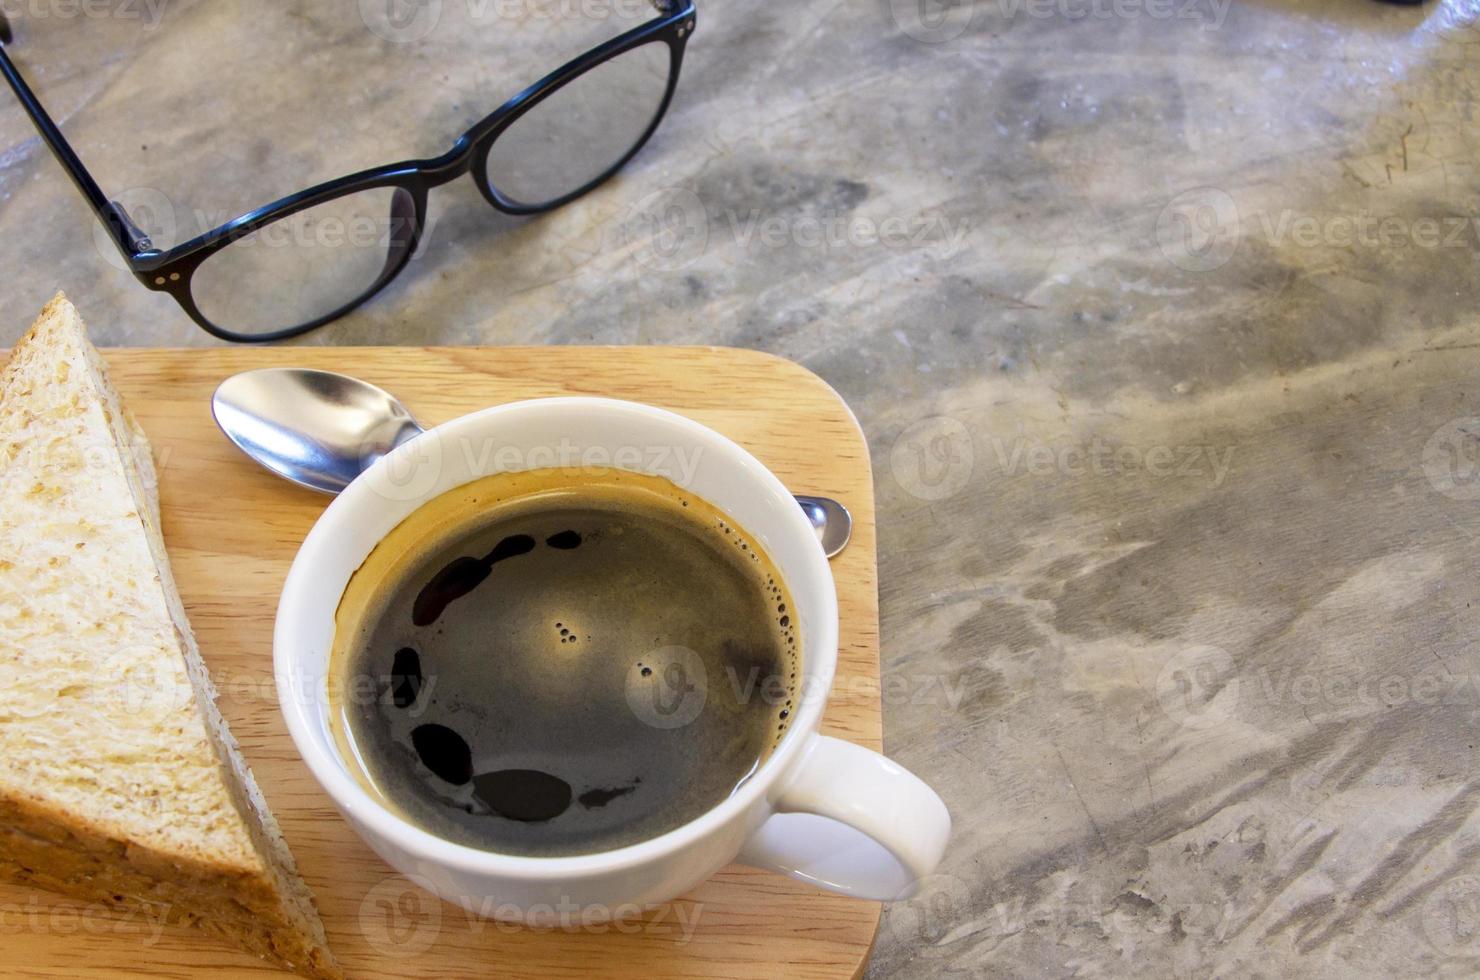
x: 556, y: 662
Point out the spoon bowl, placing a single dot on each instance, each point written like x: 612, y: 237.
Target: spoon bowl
x: 317, y: 429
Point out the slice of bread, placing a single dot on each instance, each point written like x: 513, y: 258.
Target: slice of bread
x: 119, y: 780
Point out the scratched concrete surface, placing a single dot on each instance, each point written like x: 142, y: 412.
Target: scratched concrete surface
x: 1161, y: 318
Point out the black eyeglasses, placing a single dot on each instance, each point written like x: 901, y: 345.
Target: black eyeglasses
x: 305, y: 260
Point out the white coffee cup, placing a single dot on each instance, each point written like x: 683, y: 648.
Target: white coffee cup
x: 819, y: 809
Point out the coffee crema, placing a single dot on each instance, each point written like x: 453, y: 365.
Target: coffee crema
x: 561, y: 662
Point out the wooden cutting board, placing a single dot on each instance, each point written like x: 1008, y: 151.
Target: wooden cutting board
x: 232, y: 530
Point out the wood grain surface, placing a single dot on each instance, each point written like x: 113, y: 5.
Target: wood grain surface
x: 232, y: 530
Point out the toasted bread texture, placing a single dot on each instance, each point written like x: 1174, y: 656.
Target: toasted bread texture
x: 119, y: 780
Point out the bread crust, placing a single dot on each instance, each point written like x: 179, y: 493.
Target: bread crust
x: 144, y: 806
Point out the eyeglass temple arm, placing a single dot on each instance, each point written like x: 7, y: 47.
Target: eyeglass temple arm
x: 125, y: 234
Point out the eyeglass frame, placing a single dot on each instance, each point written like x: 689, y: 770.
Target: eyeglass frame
x: 171, y: 270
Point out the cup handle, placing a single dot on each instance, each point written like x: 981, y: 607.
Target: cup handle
x: 851, y: 821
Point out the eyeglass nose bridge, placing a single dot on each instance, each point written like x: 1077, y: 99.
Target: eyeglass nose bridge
x: 456, y: 162
x: 470, y: 154
x: 467, y: 156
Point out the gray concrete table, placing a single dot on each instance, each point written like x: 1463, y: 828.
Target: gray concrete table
x: 1160, y: 316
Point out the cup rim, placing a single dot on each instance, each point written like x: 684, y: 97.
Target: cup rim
x: 304, y: 718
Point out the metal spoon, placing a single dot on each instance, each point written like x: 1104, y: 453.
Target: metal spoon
x: 321, y: 430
